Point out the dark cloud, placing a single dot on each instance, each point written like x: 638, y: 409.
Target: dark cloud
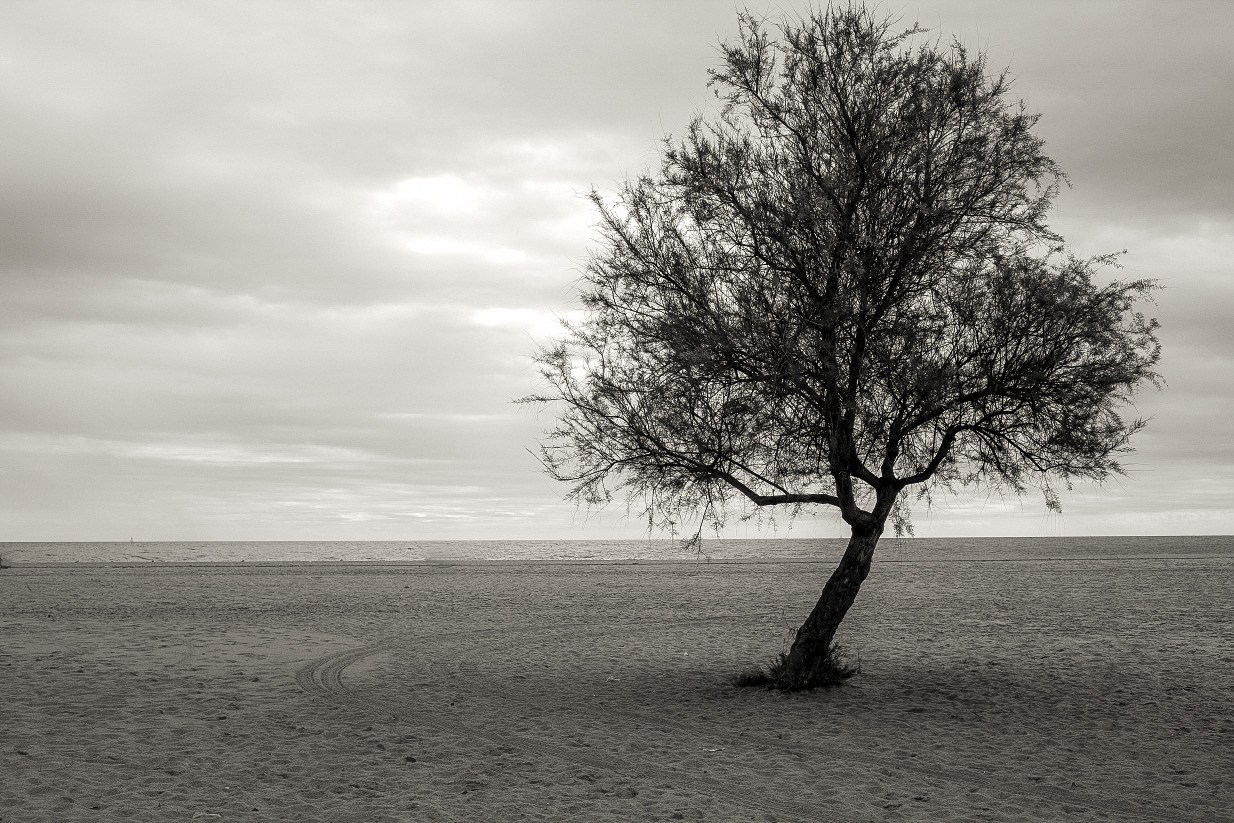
x: 1133, y: 96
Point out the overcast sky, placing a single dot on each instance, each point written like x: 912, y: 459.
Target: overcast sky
x: 274, y: 270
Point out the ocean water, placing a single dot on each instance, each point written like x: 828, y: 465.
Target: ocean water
x: 890, y: 550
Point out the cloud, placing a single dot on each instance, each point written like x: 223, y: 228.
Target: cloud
x: 276, y: 269
x: 535, y: 322
x: 443, y: 194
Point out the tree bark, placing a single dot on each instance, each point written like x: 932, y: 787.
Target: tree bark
x: 809, y: 662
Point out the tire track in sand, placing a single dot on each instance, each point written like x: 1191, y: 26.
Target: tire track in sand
x: 324, y: 677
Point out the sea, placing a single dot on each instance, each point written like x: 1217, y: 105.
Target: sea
x: 890, y: 550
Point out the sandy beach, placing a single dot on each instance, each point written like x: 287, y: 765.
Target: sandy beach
x: 1032, y: 690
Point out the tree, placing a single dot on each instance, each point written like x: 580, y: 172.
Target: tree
x: 838, y: 288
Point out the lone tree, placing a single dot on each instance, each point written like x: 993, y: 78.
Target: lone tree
x: 839, y: 287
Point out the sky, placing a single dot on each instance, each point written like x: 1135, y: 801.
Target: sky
x: 275, y: 271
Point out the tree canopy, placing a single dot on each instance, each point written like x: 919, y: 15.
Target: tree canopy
x: 840, y: 285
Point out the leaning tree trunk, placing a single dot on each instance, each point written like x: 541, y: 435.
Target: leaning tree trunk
x: 809, y: 662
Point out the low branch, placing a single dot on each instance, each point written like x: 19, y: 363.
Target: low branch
x: 788, y: 498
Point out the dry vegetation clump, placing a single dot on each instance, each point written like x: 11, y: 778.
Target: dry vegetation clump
x: 832, y: 670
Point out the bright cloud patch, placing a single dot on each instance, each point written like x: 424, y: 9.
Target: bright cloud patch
x: 445, y: 194
x: 445, y: 245
x: 537, y: 322
x: 438, y: 245
x: 505, y: 257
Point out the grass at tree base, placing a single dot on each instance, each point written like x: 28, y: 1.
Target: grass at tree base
x: 832, y: 670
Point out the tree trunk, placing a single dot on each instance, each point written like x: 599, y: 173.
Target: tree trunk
x: 810, y: 662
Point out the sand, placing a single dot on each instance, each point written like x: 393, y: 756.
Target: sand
x: 1008, y: 691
